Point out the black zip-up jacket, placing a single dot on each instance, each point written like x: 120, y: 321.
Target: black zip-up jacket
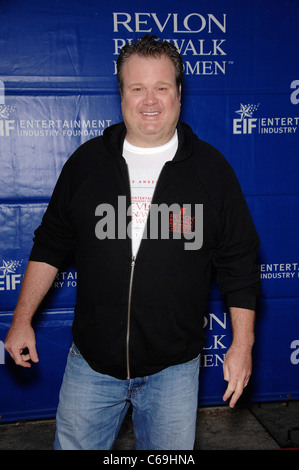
x: 135, y: 317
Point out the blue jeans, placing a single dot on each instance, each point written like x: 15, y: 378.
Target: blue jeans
x: 92, y: 407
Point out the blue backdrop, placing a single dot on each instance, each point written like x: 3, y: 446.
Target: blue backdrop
x: 241, y: 93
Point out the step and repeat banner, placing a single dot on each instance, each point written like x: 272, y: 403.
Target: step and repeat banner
x: 58, y: 89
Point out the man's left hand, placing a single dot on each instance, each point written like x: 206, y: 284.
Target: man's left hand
x: 237, y: 369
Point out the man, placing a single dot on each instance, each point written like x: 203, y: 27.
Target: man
x: 142, y: 291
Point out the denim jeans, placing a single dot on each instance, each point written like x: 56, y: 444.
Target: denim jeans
x: 92, y: 407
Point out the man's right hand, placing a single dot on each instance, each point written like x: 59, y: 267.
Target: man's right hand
x: 20, y: 343
x: 20, y: 339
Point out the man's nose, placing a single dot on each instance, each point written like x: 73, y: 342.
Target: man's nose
x: 150, y: 97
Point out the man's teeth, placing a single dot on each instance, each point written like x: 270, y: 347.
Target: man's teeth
x: 150, y: 114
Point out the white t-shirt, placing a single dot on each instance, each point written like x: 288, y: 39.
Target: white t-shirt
x: 145, y: 165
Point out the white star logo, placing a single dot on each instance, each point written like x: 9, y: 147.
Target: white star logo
x: 9, y: 267
x: 247, y: 110
x: 6, y: 111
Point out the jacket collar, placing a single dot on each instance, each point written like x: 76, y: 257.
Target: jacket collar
x: 115, y: 136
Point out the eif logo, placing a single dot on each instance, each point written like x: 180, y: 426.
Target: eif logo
x: 9, y: 280
x: 246, y: 123
x: 2, y: 353
x: 6, y: 124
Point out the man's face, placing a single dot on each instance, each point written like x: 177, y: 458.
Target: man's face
x: 150, y: 100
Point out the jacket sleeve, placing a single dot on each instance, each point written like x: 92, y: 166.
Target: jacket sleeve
x: 235, y: 258
x: 54, y: 238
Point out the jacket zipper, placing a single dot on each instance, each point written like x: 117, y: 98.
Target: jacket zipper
x: 133, y: 261
x: 129, y: 317
x: 130, y: 291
